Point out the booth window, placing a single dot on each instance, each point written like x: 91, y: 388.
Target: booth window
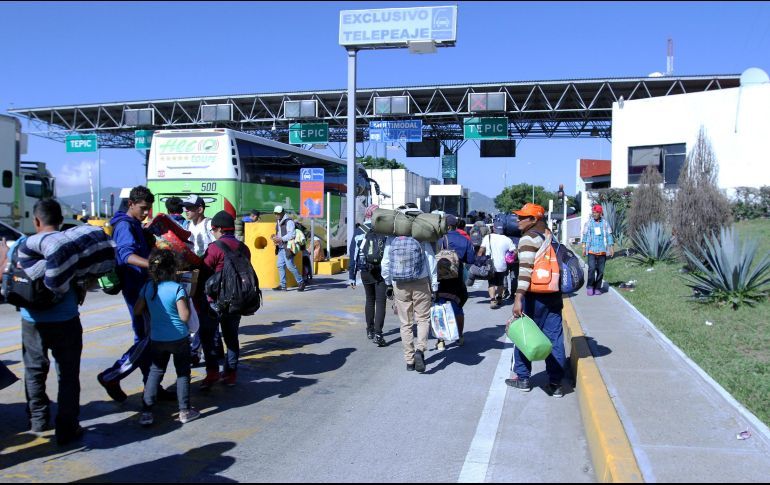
x: 668, y: 159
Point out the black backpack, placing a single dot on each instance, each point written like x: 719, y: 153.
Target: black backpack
x: 22, y: 291
x: 235, y: 289
x: 373, y: 249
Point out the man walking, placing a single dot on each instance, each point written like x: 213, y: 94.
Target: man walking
x: 454, y: 289
x: 543, y: 308
x: 496, y: 245
x: 597, y: 243
x: 409, y: 272
x: 285, y: 232
x: 56, y: 328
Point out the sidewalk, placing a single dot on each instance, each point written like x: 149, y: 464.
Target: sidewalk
x: 681, y: 425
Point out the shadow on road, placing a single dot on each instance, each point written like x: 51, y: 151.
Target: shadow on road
x: 477, y: 343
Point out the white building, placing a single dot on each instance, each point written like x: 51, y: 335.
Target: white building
x: 662, y: 131
x: 399, y: 186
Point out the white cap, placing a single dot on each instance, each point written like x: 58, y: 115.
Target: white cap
x: 278, y: 209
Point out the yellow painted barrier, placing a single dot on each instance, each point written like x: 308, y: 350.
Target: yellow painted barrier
x: 103, y: 223
x: 257, y: 237
x: 611, y: 452
x: 333, y: 266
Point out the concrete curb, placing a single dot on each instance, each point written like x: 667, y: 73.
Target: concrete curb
x: 611, y: 453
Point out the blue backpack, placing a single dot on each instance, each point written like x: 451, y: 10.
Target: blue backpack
x: 406, y: 259
x: 571, y: 269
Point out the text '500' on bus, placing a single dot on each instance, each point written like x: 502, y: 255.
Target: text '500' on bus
x: 238, y: 172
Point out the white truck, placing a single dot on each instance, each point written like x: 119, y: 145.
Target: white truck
x: 449, y: 198
x: 23, y: 183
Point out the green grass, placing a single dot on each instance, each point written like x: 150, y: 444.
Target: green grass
x: 734, y: 351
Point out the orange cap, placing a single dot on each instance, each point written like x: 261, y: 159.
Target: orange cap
x: 531, y: 210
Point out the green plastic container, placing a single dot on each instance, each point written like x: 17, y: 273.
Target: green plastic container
x: 110, y: 283
x: 528, y: 337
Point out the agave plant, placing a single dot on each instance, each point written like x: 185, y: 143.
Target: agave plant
x: 652, y: 243
x: 725, y: 270
x: 616, y: 219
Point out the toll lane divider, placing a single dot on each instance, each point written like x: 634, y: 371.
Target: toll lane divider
x: 611, y: 453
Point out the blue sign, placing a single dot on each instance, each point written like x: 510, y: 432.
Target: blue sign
x: 311, y: 175
x: 401, y: 130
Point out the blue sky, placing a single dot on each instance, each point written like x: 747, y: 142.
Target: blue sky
x: 93, y: 52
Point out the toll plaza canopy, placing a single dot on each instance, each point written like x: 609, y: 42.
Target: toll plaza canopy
x: 534, y: 109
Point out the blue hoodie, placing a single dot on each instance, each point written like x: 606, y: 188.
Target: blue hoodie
x: 129, y: 239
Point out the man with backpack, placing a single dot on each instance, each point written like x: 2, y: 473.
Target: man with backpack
x: 454, y: 251
x: 496, y: 245
x: 597, y: 244
x: 538, y: 296
x: 233, y: 290
x: 409, y: 271
x: 284, y: 233
x: 366, y: 252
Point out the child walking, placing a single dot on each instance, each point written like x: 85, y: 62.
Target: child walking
x: 167, y: 303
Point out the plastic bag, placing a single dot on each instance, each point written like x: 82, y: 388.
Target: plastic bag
x: 193, y: 323
x: 443, y: 322
x: 528, y: 337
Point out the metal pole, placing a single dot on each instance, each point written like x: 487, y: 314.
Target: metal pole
x: 328, y: 223
x: 312, y: 246
x: 350, y: 223
x: 550, y: 211
x: 99, y: 183
x: 564, y: 222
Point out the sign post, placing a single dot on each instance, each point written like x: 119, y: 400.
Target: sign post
x: 421, y: 29
x: 449, y: 166
x: 311, y: 199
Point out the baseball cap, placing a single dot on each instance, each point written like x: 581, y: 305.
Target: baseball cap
x: 223, y: 221
x: 597, y: 208
x: 278, y: 209
x: 193, y: 200
x: 531, y: 210
x: 451, y: 220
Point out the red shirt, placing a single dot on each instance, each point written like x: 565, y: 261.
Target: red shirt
x: 463, y: 234
x: 214, y: 259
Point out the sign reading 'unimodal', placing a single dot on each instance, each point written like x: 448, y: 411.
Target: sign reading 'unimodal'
x: 398, y: 26
x: 401, y: 130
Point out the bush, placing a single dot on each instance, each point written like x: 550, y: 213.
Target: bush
x: 751, y: 203
x: 648, y: 203
x: 652, y: 243
x: 616, y: 219
x: 725, y: 270
x: 700, y: 208
x: 620, y: 197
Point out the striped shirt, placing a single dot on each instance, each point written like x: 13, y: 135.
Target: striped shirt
x: 529, y: 244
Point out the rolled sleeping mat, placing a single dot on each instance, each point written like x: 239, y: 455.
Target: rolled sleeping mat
x: 429, y: 227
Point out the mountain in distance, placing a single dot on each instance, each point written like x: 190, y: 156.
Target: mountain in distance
x: 75, y: 201
x: 480, y: 202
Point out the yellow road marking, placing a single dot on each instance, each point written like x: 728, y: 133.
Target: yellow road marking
x: 14, y: 348
x: 90, y: 312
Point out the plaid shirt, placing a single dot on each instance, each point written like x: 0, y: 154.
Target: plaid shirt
x: 597, y: 243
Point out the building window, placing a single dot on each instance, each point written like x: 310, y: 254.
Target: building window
x: 668, y: 159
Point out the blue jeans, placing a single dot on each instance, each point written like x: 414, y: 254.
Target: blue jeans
x: 284, y: 261
x: 161, y: 352
x: 545, y: 310
x: 138, y: 355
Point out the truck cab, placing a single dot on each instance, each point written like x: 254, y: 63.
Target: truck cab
x: 449, y: 199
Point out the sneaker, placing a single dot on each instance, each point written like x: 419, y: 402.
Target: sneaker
x: 380, y: 340
x: 113, y: 388
x: 301, y: 286
x: 279, y: 288
x: 419, y: 361
x: 229, y: 377
x: 188, y: 415
x: 557, y: 390
x: 370, y: 334
x: 590, y: 291
x: 440, y: 345
x: 410, y: 366
x: 520, y: 384
x: 494, y: 305
x: 212, y: 377
x: 146, y: 418
x: 461, y: 341
x: 67, y: 438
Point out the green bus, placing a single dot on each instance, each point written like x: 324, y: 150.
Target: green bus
x: 238, y: 172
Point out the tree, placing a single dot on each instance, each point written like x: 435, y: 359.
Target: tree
x: 515, y: 196
x: 648, y: 204
x: 379, y: 162
x: 700, y: 208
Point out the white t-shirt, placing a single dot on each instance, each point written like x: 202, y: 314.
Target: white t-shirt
x: 200, y: 235
x: 499, y: 246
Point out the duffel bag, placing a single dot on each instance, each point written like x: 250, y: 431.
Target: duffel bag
x: 528, y: 337
x: 429, y: 227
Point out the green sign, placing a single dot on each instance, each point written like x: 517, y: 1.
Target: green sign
x: 81, y: 143
x: 449, y: 166
x: 300, y: 133
x: 143, y: 139
x: 485, y: 128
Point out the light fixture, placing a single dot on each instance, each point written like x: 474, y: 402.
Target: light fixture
x: 273, y: 128
x: 422, y: 47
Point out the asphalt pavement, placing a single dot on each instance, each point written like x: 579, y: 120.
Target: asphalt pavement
x: 315, y: 401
